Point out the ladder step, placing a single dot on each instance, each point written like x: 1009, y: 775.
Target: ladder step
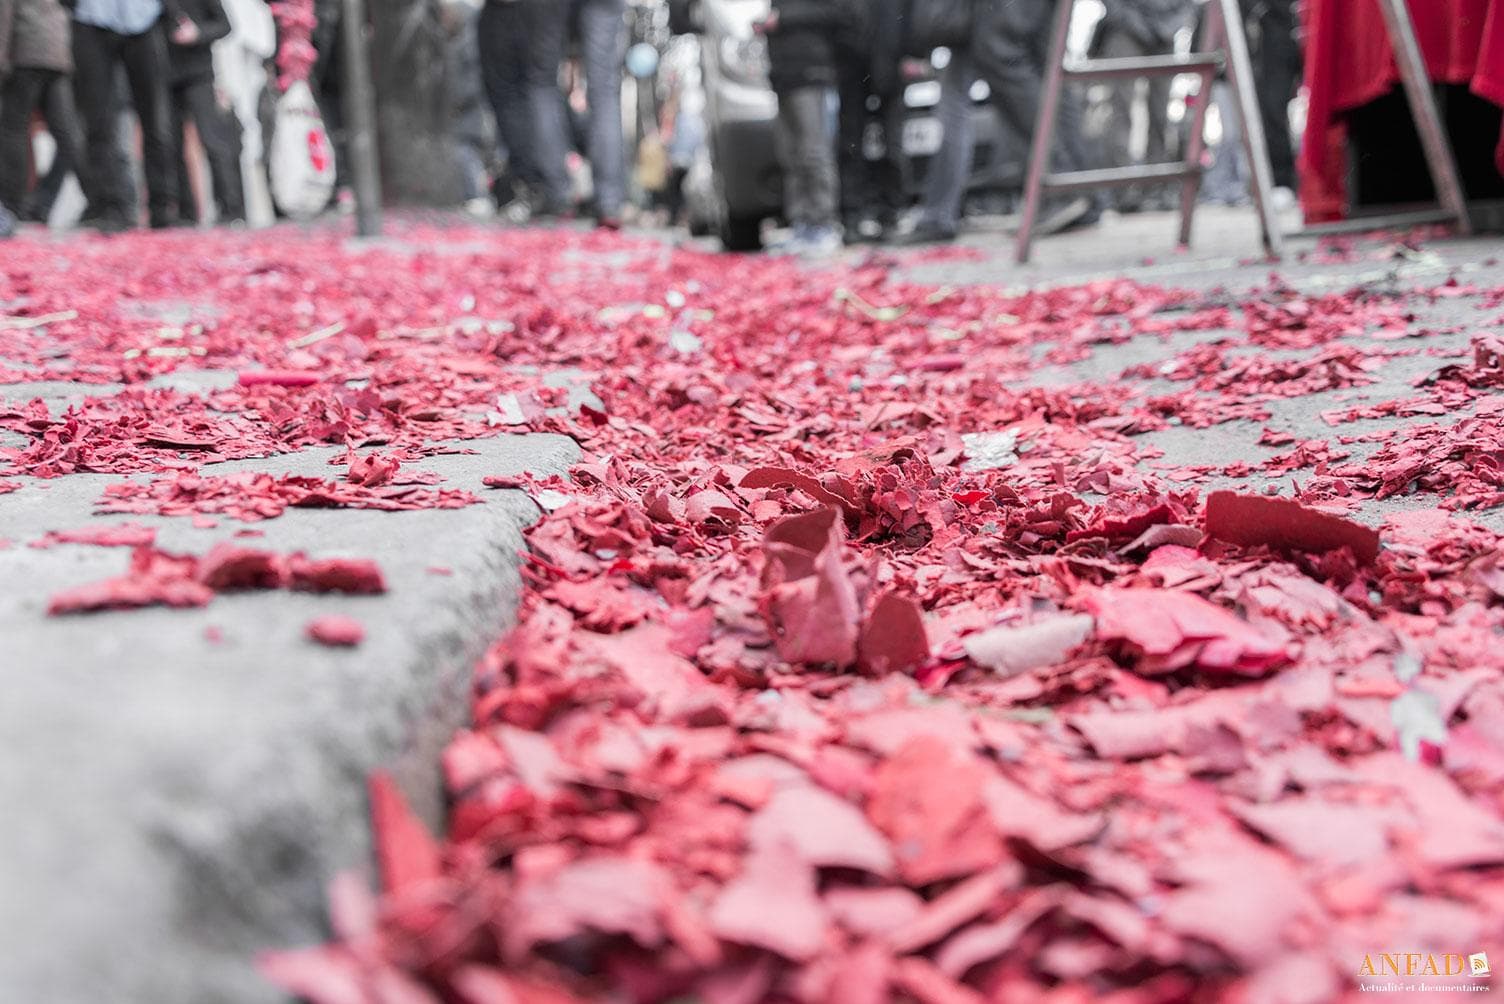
x: 1144, y: 66
x: 1072, y: 181
x: 1397, y: 220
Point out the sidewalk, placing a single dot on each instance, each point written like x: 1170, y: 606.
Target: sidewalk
x: 878, y: 643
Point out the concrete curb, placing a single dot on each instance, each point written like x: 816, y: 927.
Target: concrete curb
x: 175, y: 804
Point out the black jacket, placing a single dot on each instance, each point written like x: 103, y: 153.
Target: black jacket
x: 801, y: 51
x: 196, y: 61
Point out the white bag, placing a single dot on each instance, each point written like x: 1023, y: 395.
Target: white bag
x: 302, y: 157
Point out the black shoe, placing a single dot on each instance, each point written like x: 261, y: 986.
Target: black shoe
x: 1067, y: 215
x: 925, y: 232
x: 108, y: 223
x: 864, y: 230
x: 166, y: 221
x: 553, y: 212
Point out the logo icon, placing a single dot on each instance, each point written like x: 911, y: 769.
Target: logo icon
x: 1477, y: 964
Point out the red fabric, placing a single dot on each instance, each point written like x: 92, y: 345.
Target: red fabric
x: 1349, y: 62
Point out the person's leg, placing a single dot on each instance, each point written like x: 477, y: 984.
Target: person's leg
x: 94, y: 58
x: 61, y: 113
x: 1277, y: 65
x: 18, y: 98
x: 945, y: 185
x: 58, y: 106
x: 811, y: 157
x: 887, y: 175
x: 501, y: 34
x: 851, y: 133
x: 218, y: 134
x: 1225, y: 179
x: 1011, y: 51
x: 603, y: 35
x: 145, y: 57
x: 188, y: 211
x: 547, y: 21
x: 796, y: 198
x: 1118, y: 134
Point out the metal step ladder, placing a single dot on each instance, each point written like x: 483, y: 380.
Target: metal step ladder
x: 1225, y: 48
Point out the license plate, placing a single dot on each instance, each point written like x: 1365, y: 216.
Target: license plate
x: 921, y: 137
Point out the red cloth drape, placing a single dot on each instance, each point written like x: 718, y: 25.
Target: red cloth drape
x: 1349, y: 62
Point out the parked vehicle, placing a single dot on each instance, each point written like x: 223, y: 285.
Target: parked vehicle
x: 739, y: 184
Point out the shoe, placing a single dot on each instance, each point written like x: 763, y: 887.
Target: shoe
x: 608, y: 221
x: 820, y: 242
x: 552, y: 212
x: 793, y: 244
x: 865, y: 230
x: 1066, y: 215
x: 925, y: 232
x: 7, y: 223
x: 108, y: 223
x: 1282, y: 198
x: 480, y: 208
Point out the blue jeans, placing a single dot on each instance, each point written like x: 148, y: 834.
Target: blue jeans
x: 603, y: 36
x: 547, y: 28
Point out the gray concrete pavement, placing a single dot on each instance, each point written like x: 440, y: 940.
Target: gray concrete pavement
x: 176, y: 803
x: 1224, y: 263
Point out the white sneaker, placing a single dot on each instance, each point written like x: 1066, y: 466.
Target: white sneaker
x: 821, y: 242
x: 480, y: 208
x: 1282, y: 199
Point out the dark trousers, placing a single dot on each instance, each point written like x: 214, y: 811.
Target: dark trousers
x: 870, y: 189
x: 44, y: 195
x: 1011, y: 49
x: 219, y: 134
x: 807, y: 157
x: 1276, y: 71
x: 26, y: 91
x: 96, y: 53
x: 521, y: 49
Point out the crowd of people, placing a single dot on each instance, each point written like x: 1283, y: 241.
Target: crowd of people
x: 852, y: 48
x: 521, y: 107
x: 86, y: 68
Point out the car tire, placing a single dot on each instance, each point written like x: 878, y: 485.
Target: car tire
x: 741, y: 233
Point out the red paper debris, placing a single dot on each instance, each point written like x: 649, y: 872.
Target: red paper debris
x: 1170, y: 630
x: 336, y: 631
x: 685, y: 765
x: 407, y: 854
x: 278, y: 378
x: 1252, y: 520
x: 157, y: 578
x: 808, y: 597
x: 357, y: 576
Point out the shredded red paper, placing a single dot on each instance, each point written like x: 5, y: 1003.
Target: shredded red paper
x: 855, y: 663
x: 157, y: 578
x: 336, y: 631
